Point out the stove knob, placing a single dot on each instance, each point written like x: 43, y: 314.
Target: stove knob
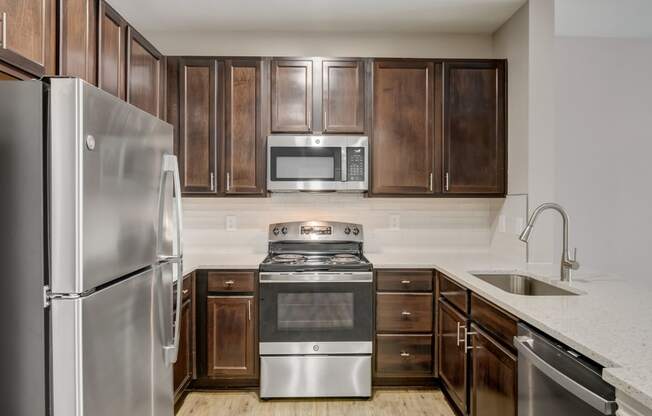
x: 284, y: 230
x: 275, y: 230
x: 356, y: 231
x: 347, y: 230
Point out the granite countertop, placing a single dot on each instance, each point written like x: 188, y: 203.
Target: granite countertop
x: 610, y: 322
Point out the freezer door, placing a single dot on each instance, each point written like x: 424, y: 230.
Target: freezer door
x: 106, y: 169
x: 107, y: 349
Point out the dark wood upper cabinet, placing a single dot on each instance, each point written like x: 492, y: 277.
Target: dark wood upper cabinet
x: 198, y: 125
x: 343, y: 90
x: 453, y: 359
x: 27, y: 35
x: 494, y: 377
x: 406, y: 134
x: 474, y: 127
x: 291, y: 96
x: 112, y: 45
x: 145, y: 74
x: 244, y: 140
x: 78, y: 39
x: 231, y: 336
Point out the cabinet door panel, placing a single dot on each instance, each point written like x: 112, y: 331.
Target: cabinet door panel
x: 244, y: 145
x: 231, y: 336
x: 494, y: 383
x: 291, y: 96
x: 343, y: 96
x: 409, y: 312
x: 404, y: 144
x: 183, y: 367
x: 25, y: 34
x: 474, y: 130
x: 404, y: 355
x: 112, y: 51
x: 78, y: 39
x: 197, y: 126
x: 144, y: 74
x: 452, y: 354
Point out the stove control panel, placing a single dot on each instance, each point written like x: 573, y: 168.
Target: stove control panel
x: 315, y: 231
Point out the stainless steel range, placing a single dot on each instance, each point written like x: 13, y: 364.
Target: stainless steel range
x: 316, y: 312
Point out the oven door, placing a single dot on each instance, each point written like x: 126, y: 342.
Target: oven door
x: 316, y: 313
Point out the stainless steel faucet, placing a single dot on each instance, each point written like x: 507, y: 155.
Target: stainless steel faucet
x: 568, y: 263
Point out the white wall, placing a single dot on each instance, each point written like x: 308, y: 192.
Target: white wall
x: 511, y: 42
x: 380, y: 44
x: 604, y: 142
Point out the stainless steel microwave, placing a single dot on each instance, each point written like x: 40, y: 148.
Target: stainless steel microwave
x: 317, y: 163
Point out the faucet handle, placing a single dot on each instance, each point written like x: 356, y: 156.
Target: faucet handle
x: 572, y: 260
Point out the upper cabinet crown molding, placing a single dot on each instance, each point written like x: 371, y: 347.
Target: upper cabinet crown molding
x: 27, y: 35
x: 291, y: 95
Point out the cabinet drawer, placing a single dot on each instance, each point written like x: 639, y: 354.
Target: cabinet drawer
x: 455, y: 294
x: 404, y: 312
x: 404, y: 355
x: 231, y: 282
x: 501, y: 324
x: 404, y: 280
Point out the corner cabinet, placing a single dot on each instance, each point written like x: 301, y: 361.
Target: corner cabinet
x: 475, y: 127
x: 453, y: 357
x: 198, y: 126
x: 406, y: 138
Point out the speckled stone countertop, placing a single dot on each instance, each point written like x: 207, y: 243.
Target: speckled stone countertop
x: 610, y: 322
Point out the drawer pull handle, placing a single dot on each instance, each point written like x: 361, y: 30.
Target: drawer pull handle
x: 405, y: 282
x: 406, y: 314
x: 229, y: 283
x: 185, y: 291
x: 405, y: 354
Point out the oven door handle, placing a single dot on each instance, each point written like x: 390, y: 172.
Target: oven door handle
x: 319, y: 277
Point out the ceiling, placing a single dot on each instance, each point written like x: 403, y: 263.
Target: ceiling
x: 396, y: 16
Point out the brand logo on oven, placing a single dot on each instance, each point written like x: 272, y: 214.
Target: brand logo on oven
x: 315, y: 347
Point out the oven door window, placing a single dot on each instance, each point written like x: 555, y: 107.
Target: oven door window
x: 316, y: 312
x: 306, y: 163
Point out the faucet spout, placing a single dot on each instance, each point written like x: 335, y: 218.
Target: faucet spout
x: 568, y: 263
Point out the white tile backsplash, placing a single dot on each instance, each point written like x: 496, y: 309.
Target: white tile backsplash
x: 427, y: 224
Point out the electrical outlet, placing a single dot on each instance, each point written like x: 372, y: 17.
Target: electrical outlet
x: 231, y: 223
x: 502, y: 224
x: 394, y: 222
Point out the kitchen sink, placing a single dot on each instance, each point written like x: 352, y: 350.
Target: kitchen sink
x: 523, y: 285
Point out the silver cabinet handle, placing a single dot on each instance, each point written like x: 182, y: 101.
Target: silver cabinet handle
x: 459, y: 326
x: 466, y: 338
x: 447, y: 180
x: 249, y: 309
x: 212, y: 181
x: 406, y: 314
x: 186, y: 291
x: 405, y: 354
x: 229, y: 283
x: 430, y: 182
x: 524, y: 346
x: 405, y: 282
x: 228, y: 182
x: 3, y: 38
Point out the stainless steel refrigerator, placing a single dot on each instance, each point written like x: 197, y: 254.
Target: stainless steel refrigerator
x: 91, y: 247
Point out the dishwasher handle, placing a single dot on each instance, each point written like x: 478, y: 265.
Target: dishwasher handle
x: 523, y: 345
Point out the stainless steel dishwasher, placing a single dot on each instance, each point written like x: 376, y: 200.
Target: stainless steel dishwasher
x: 553, y: 380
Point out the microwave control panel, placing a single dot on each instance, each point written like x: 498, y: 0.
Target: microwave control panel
x: 355, y: 164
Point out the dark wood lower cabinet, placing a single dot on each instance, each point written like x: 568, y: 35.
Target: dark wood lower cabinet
x: 453, y: 357
x: 231, y: 336
x: 404, y: 355
x: 183, y: 366
x: 494, y: 377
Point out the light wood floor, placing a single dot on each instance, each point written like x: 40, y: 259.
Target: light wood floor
x: 383, y: 403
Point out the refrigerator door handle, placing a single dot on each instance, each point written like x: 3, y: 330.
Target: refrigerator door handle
x: 170, y: 165
x: 171, y: 351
